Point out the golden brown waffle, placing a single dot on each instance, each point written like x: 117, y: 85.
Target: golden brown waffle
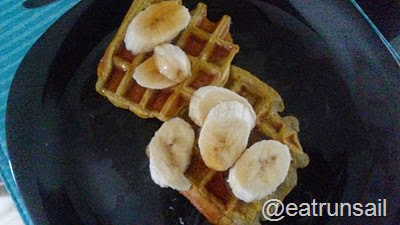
x: 210, y: 191
x: 209, y: 48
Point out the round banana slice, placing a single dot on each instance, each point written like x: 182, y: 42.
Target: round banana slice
x: 158, y: 24
x: 205, y: 98
x: 224, y: 134
x: 260, y: 170
x: 147, y: 75
x: 170, y: 151
x: 172, y: 62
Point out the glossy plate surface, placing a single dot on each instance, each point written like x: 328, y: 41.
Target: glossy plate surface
x: 79, y: 160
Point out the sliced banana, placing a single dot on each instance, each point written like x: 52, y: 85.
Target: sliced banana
x: 158, y: 24
x: 224, y: 134
x: 170, y: 151
x: 147, y: 75
x: 205, y: 98
x: 260, y: 170
x: 172, y: 62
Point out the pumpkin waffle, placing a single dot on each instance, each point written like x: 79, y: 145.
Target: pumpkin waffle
x: 210, y: 192
x: 210, y: 50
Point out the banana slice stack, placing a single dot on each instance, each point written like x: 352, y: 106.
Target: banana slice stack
x: 226, y: 120
x: 151, y: 30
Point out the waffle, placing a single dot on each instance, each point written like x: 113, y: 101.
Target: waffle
x: 209, y: 48
x: 210, y: 192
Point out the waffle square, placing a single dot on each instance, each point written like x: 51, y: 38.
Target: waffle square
x: 210, y: 50
x: 210, y: 192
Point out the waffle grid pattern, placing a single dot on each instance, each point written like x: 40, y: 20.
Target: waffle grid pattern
x: 210, y: 51
x: 210, y: 191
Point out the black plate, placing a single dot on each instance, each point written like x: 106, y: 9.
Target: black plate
x: 79, y: 160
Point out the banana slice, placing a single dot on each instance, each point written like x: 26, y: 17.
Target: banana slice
x: 260, y: 170
x: 205, y: 98
x: 170, y: 151
x: 158, y: 24
x: 147, y: 75
x: 172, y: 62
x: 224, y: 134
